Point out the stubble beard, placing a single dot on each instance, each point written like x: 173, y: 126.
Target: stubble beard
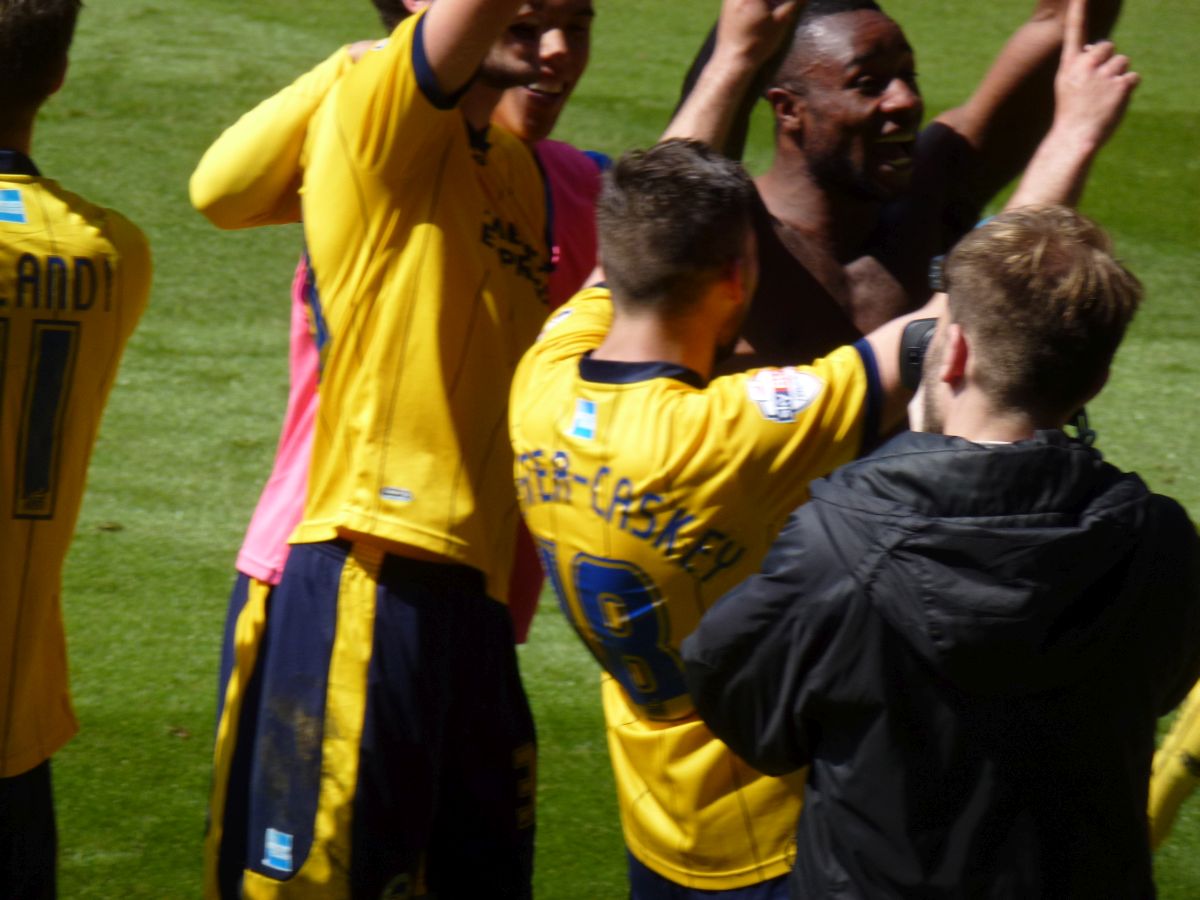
x: 931, y: 414
x: 837, y: 174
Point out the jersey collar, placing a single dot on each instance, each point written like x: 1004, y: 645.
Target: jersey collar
x: 14, y: 162
x: 610, y: 371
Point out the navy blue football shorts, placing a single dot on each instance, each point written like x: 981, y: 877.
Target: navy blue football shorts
x: 28, y: 836
x: 380, y: 743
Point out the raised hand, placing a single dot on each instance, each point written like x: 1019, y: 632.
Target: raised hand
x: 1093, y: 85
x: 752, y: 30
x: 1091, y: 92
x: 748, y: 34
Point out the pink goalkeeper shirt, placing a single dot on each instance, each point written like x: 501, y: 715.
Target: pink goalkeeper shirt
x: 265, y: 547
x: 574, y: 179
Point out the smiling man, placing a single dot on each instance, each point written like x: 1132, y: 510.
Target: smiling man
x: 250, y: 177
x: 859, y: 198
x: 393, y: 750
x: 530, y: 111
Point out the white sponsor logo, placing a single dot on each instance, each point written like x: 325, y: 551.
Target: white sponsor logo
x: 12, y: 207
x: 400, y: 495
x: 782, y: 394
x: 278, y: 851
x: 554, y: 320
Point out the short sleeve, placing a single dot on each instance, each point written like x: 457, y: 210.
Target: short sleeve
x: 792, y: 424
x: 389, y: 109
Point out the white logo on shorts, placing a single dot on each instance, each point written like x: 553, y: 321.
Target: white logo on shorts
x: 278, y: 850
x: 400, y: 495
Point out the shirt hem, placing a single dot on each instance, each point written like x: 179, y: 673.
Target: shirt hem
x: 392, y: 537
x: 20, y: 763
x: 712, y: 881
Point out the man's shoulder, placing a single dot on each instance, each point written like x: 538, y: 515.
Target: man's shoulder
x: 570, y: 332
x: 1169, y: 517
x: 74, y: 214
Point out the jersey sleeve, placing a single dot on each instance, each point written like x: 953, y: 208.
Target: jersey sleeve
x: 251, y: 174
x: 391, y: 110
x: 571, y: 331
x: 792, y: 424
x: 579, y: 326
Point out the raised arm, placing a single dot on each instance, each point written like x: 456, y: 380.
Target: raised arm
x: 885, y: 344
x: 1008, y: 114
x: 251, y: 174
x: 459, y: 33
x: 1091, y: 92
x: 748, y: 34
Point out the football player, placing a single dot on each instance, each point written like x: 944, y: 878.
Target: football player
x: 74, y: 280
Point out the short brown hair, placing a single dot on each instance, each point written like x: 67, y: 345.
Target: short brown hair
x: 34, y: 38
x: 1046, y: 305
x: 671, y: 220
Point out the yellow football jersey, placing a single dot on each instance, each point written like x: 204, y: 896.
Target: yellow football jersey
x: 74, y: 279
x: 428, y: 243
x: 650, y: 494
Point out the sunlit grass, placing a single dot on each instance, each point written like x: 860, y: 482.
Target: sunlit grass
x: 192, y: 424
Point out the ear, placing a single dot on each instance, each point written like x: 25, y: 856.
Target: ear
x: 788, y: 107
x: 956, y: 353
x: 730, y: 278
x: 1097, y: 387
x: 743, y: 284
x: 746, y: 272
x: 61, y: 77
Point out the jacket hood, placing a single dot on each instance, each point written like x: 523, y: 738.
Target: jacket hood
x: 1004, y: 565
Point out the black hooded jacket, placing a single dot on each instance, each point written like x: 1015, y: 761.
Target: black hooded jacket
x: 970, y: 645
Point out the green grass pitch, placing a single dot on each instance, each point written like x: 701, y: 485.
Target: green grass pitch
x: 192, y: 424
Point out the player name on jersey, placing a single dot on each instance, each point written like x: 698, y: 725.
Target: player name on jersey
x: 644, y: 515
x: 58, y: 283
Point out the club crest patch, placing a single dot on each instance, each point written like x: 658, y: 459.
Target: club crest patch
x: 12, y: 207
x: 782, y: 394
x: 584, y: 425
